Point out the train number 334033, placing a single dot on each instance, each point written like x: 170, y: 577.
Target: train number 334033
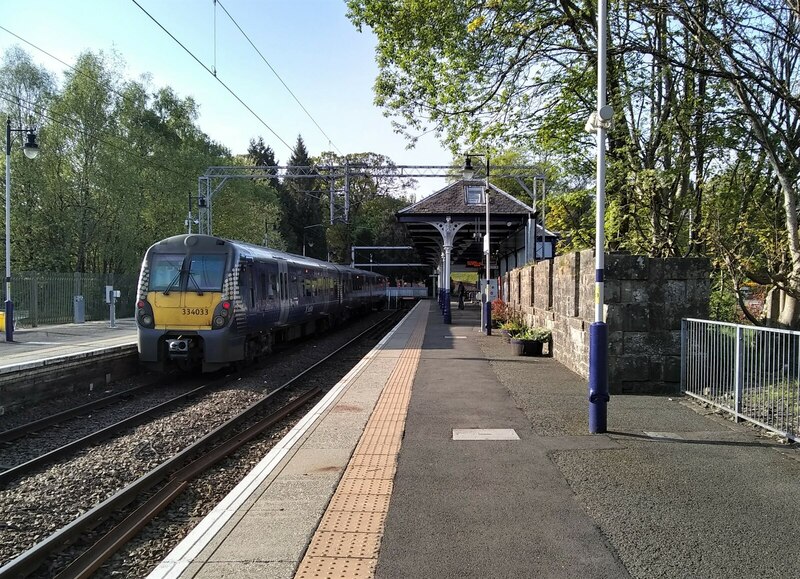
x: 195, y: 311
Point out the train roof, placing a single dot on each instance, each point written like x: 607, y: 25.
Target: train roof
x: 261, y: 252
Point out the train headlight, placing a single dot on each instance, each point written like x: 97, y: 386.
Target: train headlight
x: 144, y: 314
x: 222, y: 314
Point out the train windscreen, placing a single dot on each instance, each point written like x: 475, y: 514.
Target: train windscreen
x: 165, y: 270
x: 204, y: 272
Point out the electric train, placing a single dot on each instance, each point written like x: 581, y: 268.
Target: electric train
x: 206, y: 302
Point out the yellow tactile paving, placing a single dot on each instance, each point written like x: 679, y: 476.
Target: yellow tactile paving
x: 371, y: 472
x: 347, y: 545
x: 373, y: 461
x: 359, y: 503
x: 337, y: 567
x: 380, y: 447
x: 352, y: 522
x: 366, y: 486
x: 347, y: 541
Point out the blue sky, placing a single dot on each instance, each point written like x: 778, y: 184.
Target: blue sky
x: 311, y: 44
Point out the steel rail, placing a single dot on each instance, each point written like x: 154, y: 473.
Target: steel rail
x: 93, y: 558
x: 36, y: 425
x: 31, y: 559
x: 98, y: 436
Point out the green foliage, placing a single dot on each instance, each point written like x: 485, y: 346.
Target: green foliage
x: 501, y: 75
x: 118, y: 165
x: 722, y: 305
x: 512, y: 326
x: 572, y: 214
x: 535, y: 334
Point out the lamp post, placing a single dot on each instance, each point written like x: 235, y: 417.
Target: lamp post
x: 486, y: 302
x: 600, y: 121
x: 304, y: 235
x: 31, y: 149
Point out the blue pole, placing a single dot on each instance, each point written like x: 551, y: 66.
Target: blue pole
x: 598, y: 377
x: 9, y: 320
x: 448, y: 318
x: 487, y: 316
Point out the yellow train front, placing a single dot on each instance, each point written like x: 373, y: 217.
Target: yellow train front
x: 206, y: 302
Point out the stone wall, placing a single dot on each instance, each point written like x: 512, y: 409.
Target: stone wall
x: 645, y: 299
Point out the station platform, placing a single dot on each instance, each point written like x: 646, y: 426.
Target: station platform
x: 443, y: 455
x: 42, y: 345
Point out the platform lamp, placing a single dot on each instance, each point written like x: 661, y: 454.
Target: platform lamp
x: 486, y: 310
x: 31, y: 149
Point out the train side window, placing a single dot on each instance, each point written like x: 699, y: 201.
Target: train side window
x: 263, y: 287
x: 273, y: 286
x: 246, y: 289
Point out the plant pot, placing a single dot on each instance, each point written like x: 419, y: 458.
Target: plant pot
x: 526, y: 347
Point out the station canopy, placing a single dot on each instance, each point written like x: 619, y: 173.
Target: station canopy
x: 463, y: 203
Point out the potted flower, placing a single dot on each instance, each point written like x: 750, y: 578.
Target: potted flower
x: 530, y: 341
x: 500, y: 312
x: 511, y: 327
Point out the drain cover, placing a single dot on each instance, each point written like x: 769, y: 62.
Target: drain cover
x: 484, y: 434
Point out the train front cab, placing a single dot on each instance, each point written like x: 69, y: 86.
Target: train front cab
x: 184, y: 315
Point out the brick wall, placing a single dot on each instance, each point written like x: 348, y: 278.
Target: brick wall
x: 645, y: 299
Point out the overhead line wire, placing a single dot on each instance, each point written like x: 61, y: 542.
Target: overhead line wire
x: 277, y: 75
x: 245, y: 105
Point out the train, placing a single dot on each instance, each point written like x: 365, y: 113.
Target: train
x: 204, y: 302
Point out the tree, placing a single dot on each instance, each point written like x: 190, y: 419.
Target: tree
x: 26, y: 91
x: 119, y: 161
x: 692, y: 83
x: 516, y: 73
x: 369, y: 179
x: 300, y: 202
x: 755, y: 48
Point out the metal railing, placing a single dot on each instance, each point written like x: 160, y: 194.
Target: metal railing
x: 43, y: 298
x: 750, y: 372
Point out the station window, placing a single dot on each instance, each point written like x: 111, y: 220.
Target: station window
x: 473, y: 194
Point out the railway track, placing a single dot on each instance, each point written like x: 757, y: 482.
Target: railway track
x: 99, y: 435
x: 170, y: 477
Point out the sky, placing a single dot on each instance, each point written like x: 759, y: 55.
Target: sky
x: 325, y: 62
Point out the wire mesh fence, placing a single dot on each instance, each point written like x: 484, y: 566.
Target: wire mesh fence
x: 44, y: 298
x: 750, y: 372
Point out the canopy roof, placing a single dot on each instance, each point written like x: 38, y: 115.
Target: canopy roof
x: 462, y: 202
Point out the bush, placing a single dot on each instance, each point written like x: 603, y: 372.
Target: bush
x: 500, y: 311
